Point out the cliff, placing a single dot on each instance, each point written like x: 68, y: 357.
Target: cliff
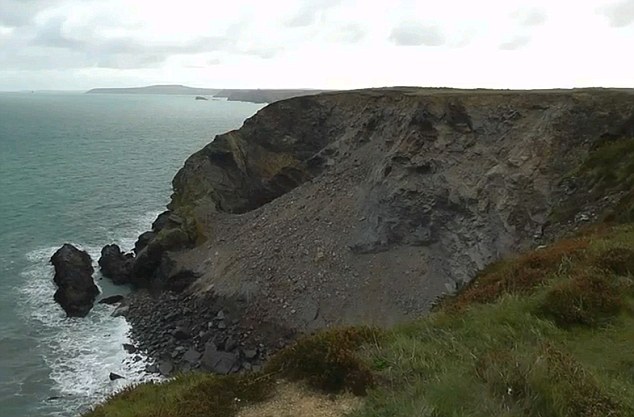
x: 365, y: 206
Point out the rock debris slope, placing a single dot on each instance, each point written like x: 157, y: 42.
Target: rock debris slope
x: 363, y: 207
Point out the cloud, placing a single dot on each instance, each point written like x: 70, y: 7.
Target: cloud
x: 52, y: 34
x: 308, y: 12
x: 517, y: 42
x: 16, y: 13
x: 530, y: 17
x: 351, y: 33
x: 416, y: 34
x: 619, y: 14
x: 86, y: 46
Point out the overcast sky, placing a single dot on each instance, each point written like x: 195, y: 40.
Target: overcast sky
x: 80, y: 44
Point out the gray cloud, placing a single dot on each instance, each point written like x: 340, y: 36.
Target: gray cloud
x: 517, y: 42
x: 620, y: 14
x: 530, y: 17
x: 86, y: 49
x: 416, y: 34
x: 16, y: 13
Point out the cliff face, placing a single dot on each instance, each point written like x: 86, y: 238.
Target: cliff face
x: 365, y: 206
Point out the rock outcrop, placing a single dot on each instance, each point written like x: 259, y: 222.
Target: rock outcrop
x: 116, y: 265
x: 76, y: 291
x: 363, y: 207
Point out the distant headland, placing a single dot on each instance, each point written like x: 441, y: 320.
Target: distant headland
x: 253, y: 96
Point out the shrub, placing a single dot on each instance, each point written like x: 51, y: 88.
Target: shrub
x: 617, y: 260
x: 329, y: 360
x: 569, y: 390
x: 589, y: 298
x: 518, y: 276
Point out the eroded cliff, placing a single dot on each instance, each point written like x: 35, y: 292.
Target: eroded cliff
x: 363, y: 207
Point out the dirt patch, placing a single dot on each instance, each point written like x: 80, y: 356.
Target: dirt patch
x: 293, y: 400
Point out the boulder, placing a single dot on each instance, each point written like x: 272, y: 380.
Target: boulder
x: 114, y: 377
x: 181, y: 333
x: 76, y: 290
x: 165, y: 368
x: 111, y: 300
x: 191, y: 356
x: 131, y: 349
x: 222, y: 363
x: 115, y: 264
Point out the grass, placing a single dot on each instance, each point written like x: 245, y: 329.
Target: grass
x: 191, y: 395
x: 521, y: 343
x: 548, y: 333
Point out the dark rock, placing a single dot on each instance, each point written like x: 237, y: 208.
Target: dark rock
x: 111, y: 300
x: 161, y: 221
x: 76, y: 291
x: 222, y: 325
x: 191, y: 356
x: 181, y: 333
x: 114, y: 377
x: 120, y: 311
x: 166, y: 368
x: 219, y: 362
x: 129, y: 348
x: 152, y: 369
x: 115, y: 264
x: 230, y: 344
x: 143, y: 240
x: 250, y: 354
x: 149, y: 259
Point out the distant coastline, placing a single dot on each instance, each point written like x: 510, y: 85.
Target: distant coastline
x: 252, y: 96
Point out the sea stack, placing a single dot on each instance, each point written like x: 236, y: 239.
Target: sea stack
x: 76, y: 290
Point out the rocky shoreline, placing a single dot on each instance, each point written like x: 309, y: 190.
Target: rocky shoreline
x: 181, y: 332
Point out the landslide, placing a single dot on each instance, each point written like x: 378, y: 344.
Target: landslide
x: 365, y: 206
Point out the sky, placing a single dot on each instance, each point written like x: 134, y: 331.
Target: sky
x: 338, y: 44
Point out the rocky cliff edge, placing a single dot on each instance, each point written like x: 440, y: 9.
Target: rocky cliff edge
x: 365, y: 206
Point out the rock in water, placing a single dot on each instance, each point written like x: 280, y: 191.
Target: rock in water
x: 115, y: 264
x: 114, y: 377
x: 111, y: 300
x: 76, y: 291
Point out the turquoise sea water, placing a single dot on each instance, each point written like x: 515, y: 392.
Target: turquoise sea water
x: 90, y: 170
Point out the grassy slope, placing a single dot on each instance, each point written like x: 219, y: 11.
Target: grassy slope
x: 563, y: 347
x: 548, y: 333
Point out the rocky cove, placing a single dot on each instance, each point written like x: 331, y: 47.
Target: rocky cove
x: 347, y: 208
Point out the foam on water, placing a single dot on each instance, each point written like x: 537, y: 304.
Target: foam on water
x: 80, y: 352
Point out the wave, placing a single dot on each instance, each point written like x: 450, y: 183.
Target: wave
x: 79, y: 352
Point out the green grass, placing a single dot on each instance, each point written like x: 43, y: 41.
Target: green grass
x: 549, y: 333
x: 525, y: 350
x: 191, y: 395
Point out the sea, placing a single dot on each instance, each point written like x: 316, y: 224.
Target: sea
x: 87, y: 169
